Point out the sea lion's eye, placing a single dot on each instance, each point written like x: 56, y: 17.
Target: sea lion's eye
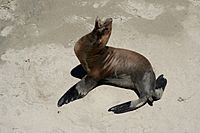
x: 106, y: 29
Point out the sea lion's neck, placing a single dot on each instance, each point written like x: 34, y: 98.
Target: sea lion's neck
x: 96, y: 57
x: 89, y: 55
x: 98, y: 51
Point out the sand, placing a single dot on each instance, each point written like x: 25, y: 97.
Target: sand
x: 36, y: 57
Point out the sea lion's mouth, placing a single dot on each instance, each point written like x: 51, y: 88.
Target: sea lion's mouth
x: 107, y: 21
x: 104, y: 22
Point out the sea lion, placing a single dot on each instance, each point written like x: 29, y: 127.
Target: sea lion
x: 104, y: 65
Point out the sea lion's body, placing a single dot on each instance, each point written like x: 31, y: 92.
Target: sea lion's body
x: 113, y: 66
x: 113, y: 61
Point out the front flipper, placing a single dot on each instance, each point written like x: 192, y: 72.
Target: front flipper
x: 128, y: 106
x: 79, y: 90
x: 78, y: 72
x: 71, y: 95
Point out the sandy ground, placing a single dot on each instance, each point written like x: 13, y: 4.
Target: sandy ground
x: 36, y: 56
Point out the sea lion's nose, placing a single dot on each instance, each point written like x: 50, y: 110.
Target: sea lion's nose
x: 109, y: 20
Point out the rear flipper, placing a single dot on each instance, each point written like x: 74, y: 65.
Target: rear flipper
x: 128, y: 106
x: 161, y: 83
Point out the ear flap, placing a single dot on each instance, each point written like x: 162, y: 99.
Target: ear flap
x: 97, y: 22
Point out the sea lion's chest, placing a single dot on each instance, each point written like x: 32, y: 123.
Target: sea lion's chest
x: 81, y: 53
x: 94, y: 61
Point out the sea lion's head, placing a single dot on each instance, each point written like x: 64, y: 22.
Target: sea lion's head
x: 102, y: 30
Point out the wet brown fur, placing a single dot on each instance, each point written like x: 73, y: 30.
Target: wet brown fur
x: 101, y: 61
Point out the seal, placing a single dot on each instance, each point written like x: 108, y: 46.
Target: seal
x: 104, y: 65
